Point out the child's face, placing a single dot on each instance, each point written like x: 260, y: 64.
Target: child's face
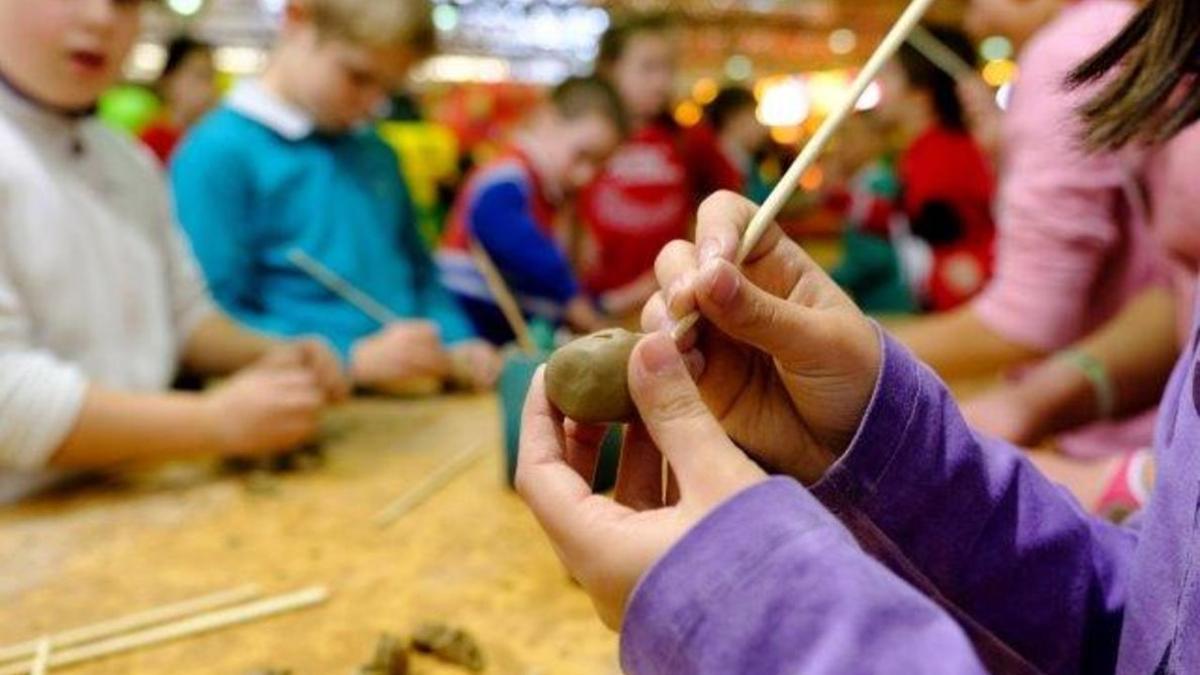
x: 896, y: 94
x: 191, y: 90
x: 65, y: 53
x: 747, y: 131
x: 644, y: 75
x: 579, y: 148
x: 344, y: 84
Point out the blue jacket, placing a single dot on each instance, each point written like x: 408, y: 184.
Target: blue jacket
x: 256, y: 179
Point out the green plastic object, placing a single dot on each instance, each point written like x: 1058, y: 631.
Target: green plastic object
x: 515, y: 378
x: 129, y: 108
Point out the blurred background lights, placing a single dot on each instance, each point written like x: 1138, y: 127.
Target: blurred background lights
x: 785, y: 102
x: 996, y: 48
x: 185, y: 7
x: 842, y: 41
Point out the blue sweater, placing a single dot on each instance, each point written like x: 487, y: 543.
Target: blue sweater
x: 247, y: 194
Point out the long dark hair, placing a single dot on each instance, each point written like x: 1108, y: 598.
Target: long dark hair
x: 924, y: 75
x: 1156, y: 90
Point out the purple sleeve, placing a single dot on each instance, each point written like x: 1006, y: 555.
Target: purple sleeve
x: 970, y: 521
x: 770, y: 583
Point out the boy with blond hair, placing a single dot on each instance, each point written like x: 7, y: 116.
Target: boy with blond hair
x: 100, y: 303
x: 289, y: 164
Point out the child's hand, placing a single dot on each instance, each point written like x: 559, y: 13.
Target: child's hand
x: 400, y: 354
x: 790, y: 361
x: 609, y: 544
x: 265, y: 410
x: 476, y: 365
x: 581, y: 316
x: 315, y: 355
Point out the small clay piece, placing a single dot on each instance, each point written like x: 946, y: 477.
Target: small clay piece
x: 588, y: 379
x: 391, y: 657
x: 452, y: 645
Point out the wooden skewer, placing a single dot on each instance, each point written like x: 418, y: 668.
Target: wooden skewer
x: 432, y: 483
x: 42, y: 659
x: 946, y: 59
x: 339, y: 286
x: 812, y: 150
x: 504, y: 298
x: 195, y: 625
x: 125, y: 624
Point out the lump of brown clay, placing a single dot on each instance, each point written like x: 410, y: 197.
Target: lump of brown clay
x: 452, y: 645
x: 588, y: 379
x: 390, y: 658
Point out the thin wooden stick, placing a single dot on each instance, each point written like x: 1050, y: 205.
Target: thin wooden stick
x: 440, y: 478
x: 195, y: 625
x: 41, y: 660
x: 131, y: 622
x: 936, y: 51
x: 342, y: 288
x: 812, y: 150
x: 504, y: 298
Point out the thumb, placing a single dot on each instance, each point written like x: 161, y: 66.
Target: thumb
x: 683, y: 428
x: 779, y: 327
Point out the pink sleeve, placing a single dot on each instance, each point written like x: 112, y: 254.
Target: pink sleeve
x: 1063, y: 230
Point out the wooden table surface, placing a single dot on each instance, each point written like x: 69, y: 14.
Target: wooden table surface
x: 470, y: 556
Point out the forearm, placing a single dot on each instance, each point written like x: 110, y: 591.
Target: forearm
x: 771, y: 583
x: 114, y: 427
x: 219, y: 346
x: 971, y: 520
x: 959, y: 344
x: 1137, y: 349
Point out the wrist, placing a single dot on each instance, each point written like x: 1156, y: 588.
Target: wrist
x: 1056, y: 396
x: 212, y: 424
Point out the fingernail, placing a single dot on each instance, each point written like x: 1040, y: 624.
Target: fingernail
x: 719, y: 281
x: 695, y: 363
x: 710, y: 249
x: 658, y: 353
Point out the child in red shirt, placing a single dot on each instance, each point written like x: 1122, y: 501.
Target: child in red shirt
x: 947, y: 181
x: 643, y: 198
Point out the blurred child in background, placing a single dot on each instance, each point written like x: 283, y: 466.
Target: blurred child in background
x: 1072, y: 247
x: 868, y: 202
x: 947, y: 181
x: 722, y: 151
x: 187, y: 89
x: 289, y: 164
x: 644, y: 196
x: 511, y: 208
x: 100, y: 302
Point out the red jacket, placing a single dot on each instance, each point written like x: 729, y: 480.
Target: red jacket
x: 641, y: 201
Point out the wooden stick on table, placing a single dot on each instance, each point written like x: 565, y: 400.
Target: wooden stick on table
x: 504, y: 298
x: 342, y: 288
x: 131, y: 622
x: 440, y: 478
x: 195, y: 625
x: 41, y: 660
x: 812, y: 150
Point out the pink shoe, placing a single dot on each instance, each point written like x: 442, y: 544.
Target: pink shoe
x: 1129, y: 489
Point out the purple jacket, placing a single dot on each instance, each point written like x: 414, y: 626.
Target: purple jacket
x: 974, y: 561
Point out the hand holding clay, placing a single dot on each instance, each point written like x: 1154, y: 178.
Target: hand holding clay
x: 608, y: 544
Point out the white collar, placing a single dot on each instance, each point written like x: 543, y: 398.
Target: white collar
x: 252, y: 99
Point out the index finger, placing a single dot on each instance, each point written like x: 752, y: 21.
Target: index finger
x: 723, y: 219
